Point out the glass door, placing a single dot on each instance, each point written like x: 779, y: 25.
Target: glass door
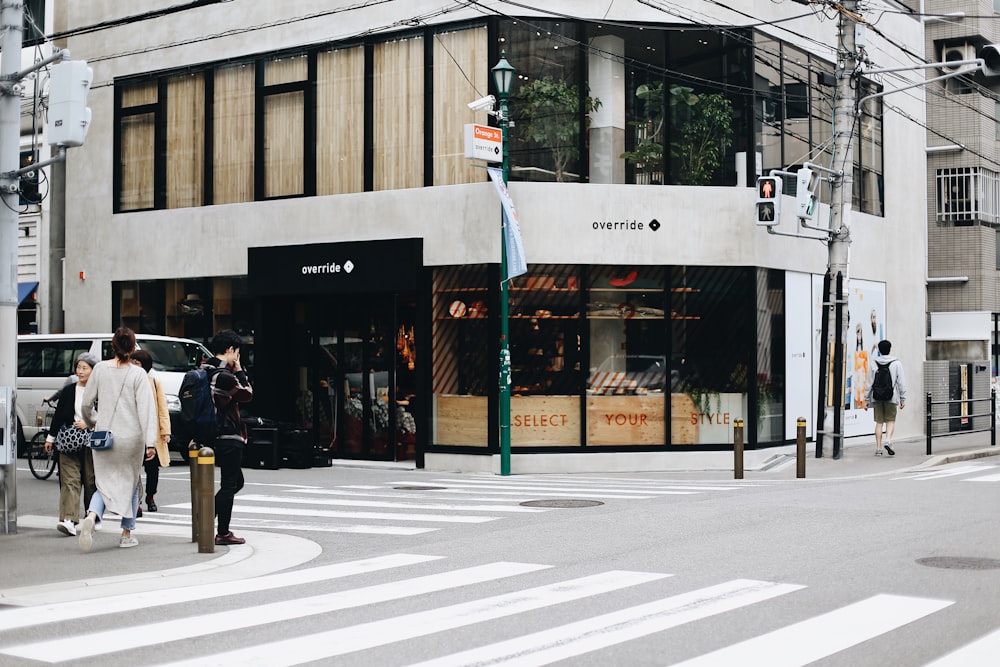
x: 361, y: 377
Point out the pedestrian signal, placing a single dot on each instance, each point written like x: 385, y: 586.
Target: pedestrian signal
x: 806, y: 184
x: 768, y: 200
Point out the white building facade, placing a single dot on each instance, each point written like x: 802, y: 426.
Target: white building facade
x: 299, y: 175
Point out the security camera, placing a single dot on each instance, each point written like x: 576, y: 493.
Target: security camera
x: 483, y: 103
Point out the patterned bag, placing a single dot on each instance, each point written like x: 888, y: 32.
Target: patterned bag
x: 71, y: 439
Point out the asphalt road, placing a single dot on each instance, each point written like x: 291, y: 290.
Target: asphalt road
x: 353, y: 566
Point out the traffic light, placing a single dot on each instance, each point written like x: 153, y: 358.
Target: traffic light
x: 807, y: 182
x: 69, y: 115
x: 768, y: 200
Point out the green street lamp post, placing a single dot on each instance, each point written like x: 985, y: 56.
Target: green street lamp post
x: 503, y: 75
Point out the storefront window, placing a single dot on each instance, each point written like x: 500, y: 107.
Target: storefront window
x: 463, y: 366
x: 544, y: 328
x: 712, y: 314
x: 627, y: 375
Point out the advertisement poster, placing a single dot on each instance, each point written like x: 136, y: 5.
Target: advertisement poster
x: 866, y: 326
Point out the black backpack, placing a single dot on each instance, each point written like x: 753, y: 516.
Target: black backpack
x: 199, y: 419
x: 882, y: 384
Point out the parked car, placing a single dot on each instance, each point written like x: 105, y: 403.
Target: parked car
x: 45, y: 362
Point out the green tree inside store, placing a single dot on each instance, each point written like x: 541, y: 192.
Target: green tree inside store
x: 548, y: 110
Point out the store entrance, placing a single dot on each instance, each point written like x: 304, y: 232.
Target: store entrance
x: 362, y: 376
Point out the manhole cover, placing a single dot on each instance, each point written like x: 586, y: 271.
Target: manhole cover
x: 961, y: 563
x: 418, y: 488
x: 562, y: 503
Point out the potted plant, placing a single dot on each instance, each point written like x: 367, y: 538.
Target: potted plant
x: 549, y: 107
x: 702, y: 133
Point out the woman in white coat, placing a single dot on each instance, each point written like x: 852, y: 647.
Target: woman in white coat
x: 118, y: 398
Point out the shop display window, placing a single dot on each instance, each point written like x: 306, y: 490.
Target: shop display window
x: 628, y: 363
x: 463, y: 365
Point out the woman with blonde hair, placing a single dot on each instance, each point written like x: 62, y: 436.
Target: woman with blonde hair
x: 161, y: 459
x: 119, y: 399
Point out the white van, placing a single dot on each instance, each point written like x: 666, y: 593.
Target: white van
x: 45, y: 362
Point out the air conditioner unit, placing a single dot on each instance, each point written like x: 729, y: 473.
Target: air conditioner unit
x: 958, y: 53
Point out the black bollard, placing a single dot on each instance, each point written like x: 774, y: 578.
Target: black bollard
x: 800, y: 448
x: 738, y: 449
x: 206, y: 500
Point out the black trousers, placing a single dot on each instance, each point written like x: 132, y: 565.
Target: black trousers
x: 152, y: 468
x: 229, y: 457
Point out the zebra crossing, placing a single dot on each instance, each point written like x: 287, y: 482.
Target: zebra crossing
x: 970, y: 473
x: 494, y: 593
x: 405, y: 508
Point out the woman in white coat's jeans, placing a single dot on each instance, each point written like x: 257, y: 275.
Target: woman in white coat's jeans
x: 118, y: 398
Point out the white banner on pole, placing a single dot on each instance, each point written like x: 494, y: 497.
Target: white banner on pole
x: 516, y: 264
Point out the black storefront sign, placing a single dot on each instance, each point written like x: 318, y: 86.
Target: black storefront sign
x: 356, y: 267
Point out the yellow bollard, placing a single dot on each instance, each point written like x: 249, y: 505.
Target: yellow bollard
x: 193, y: 459
x: 206, y: 500
x: 800, y: 448
x: 738, y: 449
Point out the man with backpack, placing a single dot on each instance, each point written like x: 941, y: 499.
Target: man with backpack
x: 886, y: 391
x: 226, y: 382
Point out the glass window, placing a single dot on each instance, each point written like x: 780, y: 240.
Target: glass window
x: 137, y: 132
x: 868, y: 188
x: 545, y: 100
x: 544, y: 331
x: 233, y: 134
x: 398, y: 110
x: 627, y: 377
x: 185, y: 140
x: 33, y: 22
x: 464, y: 364
x: 284, y: 125
x: 767, y: 86
x: 51, y: 359
x: 340, y: 112
x: 770, y: 380
x: 460, y: 76
x: 712, y: 314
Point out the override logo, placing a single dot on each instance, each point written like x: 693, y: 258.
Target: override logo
x: 329, y: 267
x: 632, y: 225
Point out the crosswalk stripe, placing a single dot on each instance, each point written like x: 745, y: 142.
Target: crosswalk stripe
x: 388, y: 493
x: 334, y: 514
x: 324, y: 645
x: 22, y: 617
x: 251, y: 523
x: 104, y: 642
x: 513, y: 486
x: 549, y: 494
x: 573, y: 639
x: 947, y: 472
x: 821, y: 636
x: 638, y: 483
x: 982, y: 651
x: 389, y: 505
x: 995, y: 477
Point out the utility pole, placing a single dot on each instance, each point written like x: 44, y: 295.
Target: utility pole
x: 11, y: 16
x: 841, y: 192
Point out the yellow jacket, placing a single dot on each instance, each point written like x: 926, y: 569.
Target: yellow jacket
x: 163, y: 415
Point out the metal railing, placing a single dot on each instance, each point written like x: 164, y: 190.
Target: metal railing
x: 992, y: 414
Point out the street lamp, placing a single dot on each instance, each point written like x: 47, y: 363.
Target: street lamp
x: 503, y: 75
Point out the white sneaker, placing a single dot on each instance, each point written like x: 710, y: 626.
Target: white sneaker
x: 127, y: 542
x: 66, y: 527
x: 86, y: 535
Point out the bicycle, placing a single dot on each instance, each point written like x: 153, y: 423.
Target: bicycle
x: 42, y: 463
